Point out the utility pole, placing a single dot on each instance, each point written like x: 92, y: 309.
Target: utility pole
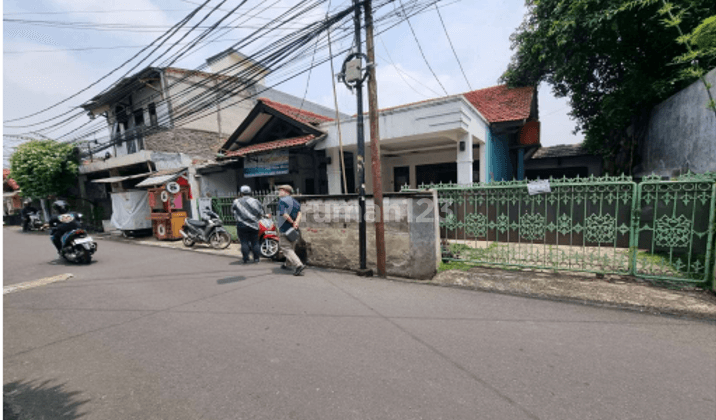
x: 375, y: 141
x: 361, y: 153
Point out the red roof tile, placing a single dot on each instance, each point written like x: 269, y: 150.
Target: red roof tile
x: 301, y: 115
x: 11, y: 182
x: 271, y: 145
x: 500, y: 103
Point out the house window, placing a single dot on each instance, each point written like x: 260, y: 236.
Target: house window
x: 138, y: 118
x: 152, y: 114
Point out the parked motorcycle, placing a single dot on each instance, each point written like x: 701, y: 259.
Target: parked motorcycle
x: 268, y: 238
x: 78, y: 246
x: 210, y: 230
x: 32, y: 222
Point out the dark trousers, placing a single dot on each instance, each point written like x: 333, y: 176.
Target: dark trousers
x: 249, y: 242
x: 57, y: 239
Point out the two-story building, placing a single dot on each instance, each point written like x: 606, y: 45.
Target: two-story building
x: 164, y: 119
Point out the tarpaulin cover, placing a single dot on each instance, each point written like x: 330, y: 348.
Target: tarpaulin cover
x: 130, y: 210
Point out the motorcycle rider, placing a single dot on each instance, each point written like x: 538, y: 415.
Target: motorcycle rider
x: 27, y: 209
x: 62, y: 222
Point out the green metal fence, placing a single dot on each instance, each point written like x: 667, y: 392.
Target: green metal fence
x: 222, y: 205
x: 607, y: 225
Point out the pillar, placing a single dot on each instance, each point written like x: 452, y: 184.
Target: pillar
x: 521, y: 164
x: 483, y: 162
x: 464, y: 159
x: 334, y: 172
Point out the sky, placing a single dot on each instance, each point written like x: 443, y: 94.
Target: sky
x: 45, y: 63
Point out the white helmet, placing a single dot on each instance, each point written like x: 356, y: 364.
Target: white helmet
x: 245, y: 189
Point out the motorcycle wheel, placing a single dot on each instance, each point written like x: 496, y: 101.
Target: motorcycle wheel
x: 220, y: 240
x: 84, y: 257
x: 187, y: 241
x: 269, y: 248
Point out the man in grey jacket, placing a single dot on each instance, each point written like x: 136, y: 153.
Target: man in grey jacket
x: 247, y: 212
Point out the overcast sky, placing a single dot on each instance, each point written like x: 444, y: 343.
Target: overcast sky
x: 42, y: 66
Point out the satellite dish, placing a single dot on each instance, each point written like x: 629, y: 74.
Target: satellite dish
x: 173, y: 187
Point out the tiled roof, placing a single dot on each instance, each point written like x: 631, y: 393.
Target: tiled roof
x: 301, y: 115
x: 11, y: 182
x: 271, y: 145
x: 562, y: 150
x: 500, y: 103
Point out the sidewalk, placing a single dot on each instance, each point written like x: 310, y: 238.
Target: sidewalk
x: 622, y: 292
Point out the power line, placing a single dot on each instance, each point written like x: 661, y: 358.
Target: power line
x: 166, y: 34
x: 285, y: 51
x: 451, y: 46
x: 97, y: 12
x: 421, y: 48
x: 400, y: 73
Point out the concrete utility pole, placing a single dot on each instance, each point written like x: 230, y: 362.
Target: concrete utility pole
x: 361, y: 153
x: 375, y: 141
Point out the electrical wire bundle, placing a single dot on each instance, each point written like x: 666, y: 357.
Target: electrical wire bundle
x: 290, y: 44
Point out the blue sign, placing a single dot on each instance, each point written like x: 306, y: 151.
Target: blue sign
x: 266, y: 164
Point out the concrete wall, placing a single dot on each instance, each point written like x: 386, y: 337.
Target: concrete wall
x: 682, y: 133
x: 219, y: 184
x: 330, y: 228
x: 186, y: 97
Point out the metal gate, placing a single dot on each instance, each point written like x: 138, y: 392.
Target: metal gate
x: 673, y: 232
x: 608, y: 225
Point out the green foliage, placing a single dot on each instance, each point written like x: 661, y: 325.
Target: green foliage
x: 455, y: 265
x: 614, y: 59
x: 44, y: 168
x: 704, y: 36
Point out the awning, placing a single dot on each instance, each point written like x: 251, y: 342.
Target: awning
x: 160, y: 179
x: 120, y: 178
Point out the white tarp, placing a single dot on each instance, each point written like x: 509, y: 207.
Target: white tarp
x: 130, y: 210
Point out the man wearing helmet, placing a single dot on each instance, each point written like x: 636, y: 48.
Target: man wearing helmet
x: 247, y: 212
x: 62, y: 222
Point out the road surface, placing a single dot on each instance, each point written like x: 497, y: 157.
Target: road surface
x: 152, y: 333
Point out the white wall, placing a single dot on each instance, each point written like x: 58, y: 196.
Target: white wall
x: 452, y: 118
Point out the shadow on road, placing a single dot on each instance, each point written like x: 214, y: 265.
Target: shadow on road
x: 33, y: 400
x: 63, y: 262
x: 229, y: 280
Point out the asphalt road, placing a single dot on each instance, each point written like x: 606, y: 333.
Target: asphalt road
x: 152, y: 333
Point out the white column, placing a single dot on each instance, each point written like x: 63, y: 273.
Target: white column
x: 483, y: 162
x: 464, y: 159
x: 195, y: 193
x: 334, y: 171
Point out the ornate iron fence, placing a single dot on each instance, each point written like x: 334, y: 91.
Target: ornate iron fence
x: 674, y: 230
x: 608, y: 225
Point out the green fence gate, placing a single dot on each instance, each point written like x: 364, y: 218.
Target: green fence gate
x: 607, y: 225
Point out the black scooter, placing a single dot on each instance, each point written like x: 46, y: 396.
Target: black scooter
x: 210, y: 230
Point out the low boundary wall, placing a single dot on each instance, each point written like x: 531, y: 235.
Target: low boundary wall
x: 330, y: 228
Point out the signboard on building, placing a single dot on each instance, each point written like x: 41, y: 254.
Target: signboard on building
x: 266, y: 164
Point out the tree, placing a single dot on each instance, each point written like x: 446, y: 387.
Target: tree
x: 615, y: 60
x: 44, y: 168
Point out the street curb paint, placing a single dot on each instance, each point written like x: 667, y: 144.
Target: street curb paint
x: 35, y: 283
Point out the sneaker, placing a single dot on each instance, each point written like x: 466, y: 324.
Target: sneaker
x: 299, y: 270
